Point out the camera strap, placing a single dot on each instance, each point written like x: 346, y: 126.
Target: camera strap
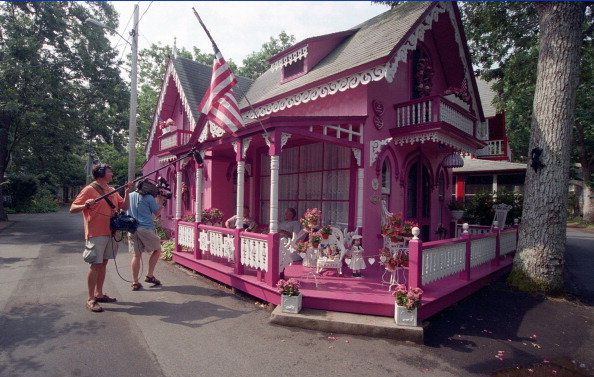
x: 99, y: 189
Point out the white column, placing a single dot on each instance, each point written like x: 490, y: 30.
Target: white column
x: 274, y: 171
x: 240, y: 184
x: 178, y: 195
x: 360, y: 198
x: 199, y: 189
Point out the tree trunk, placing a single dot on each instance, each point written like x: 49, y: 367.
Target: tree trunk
x: 539, y: 262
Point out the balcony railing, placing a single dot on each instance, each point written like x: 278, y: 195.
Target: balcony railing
x: 434, y: 109
x: 173, y: 139
x: 493, y: 148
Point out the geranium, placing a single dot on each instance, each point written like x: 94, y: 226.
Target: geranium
x: 391, y: 261
x: 288, y: 287
x: 409, y: 298
x: 461, y: 93
x: 407, y: 228
x: 212, y: 216
x: 301, y: 246
x: 315, y: 237
x: 167, y: 123
x: 455, y: 205
x: 395, y: 227
x: 188, y: 218
x: 312, y: 215
x: 326, y: 229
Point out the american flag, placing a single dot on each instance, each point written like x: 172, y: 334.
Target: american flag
x: 219, y: 103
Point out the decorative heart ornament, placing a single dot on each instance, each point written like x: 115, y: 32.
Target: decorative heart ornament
x: 383, y: 258
x: 347, y: 260
x: 371, y: 261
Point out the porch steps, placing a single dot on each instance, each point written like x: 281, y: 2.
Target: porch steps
x: 348, y: 323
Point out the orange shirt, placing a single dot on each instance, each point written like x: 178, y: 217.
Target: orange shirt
x: 96, y: 218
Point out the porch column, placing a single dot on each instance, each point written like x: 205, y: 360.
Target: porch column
x: 274, y: 176
x: 360, y: 183
x: 240, y: 188
x: 199, y: 189
x: 178, y: 193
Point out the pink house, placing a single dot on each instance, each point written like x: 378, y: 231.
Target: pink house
x: 357, y: 123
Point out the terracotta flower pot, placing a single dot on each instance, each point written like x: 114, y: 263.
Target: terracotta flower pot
x: 325, y: 236
x: 315, y: 245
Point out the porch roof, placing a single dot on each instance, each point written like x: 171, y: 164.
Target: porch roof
x: 476, y: 165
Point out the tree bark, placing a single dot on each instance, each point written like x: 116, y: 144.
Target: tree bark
x: 539, y: 262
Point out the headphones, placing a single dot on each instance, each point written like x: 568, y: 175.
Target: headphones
x: 100, y: 170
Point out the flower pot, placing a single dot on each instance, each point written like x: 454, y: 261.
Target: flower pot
x: 313, y: 223
x: 325, y: 236
x: 307, y: 228
x: 405, y: 317
x: 315, y: 245
x: 394, y: 239
x: 457, y: 215
x: 291, y: 304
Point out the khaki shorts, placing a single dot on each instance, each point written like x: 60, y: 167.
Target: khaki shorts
x: 99, y: 248
x: 144, y: 240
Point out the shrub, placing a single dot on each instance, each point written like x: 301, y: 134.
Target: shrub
x: 166, y: 250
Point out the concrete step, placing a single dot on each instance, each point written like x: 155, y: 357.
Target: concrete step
x: 348, y: 323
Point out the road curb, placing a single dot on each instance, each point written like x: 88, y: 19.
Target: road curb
x: 348, y: 323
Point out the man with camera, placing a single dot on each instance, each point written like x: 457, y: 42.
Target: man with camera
x: 99, y: 244
x: 142, y: 207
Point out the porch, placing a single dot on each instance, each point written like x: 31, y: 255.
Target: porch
x: 447, y: 270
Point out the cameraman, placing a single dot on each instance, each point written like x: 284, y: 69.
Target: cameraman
x: 142, y: 208
x: 99, y: 244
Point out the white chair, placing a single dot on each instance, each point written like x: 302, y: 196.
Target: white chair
x: 337, y: 239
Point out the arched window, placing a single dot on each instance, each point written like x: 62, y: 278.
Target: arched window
x: 422, y: 74
x: 386, y: 182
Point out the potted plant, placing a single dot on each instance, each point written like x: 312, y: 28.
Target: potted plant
x: 301, y: 247
x: 387, y: 259
x: 326, y: 231
x: 407, y: 227
x: 406, y: 301
x: 212, y: 216
x: 305, y: 225
x: 291, y: 299
x: 188, y: 218
x: 456, y: 209
x: 312, y: 216
x: 314, y: 239
x: 393, y: 227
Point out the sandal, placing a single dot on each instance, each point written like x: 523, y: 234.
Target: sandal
x: 94, y: 307
x: 152, y: 280
x: 105, y: 298
x: 136, y: 286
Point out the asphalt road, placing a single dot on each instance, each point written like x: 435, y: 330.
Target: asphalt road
x: 191, y: 326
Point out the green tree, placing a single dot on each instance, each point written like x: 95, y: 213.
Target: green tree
x: 256, y: 63
x: 60, y: 91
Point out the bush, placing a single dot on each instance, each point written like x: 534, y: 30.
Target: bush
x: 166, y: 250
x: 480, y: 211
x: 22, y: 189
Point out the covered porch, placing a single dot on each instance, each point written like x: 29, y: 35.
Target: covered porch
x: 447, y: 270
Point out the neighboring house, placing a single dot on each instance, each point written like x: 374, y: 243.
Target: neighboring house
x: 343, y: 122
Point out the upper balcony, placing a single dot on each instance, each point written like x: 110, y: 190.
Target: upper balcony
x: 172, y: 137
x: 434, y: 111
x: 496, y: 149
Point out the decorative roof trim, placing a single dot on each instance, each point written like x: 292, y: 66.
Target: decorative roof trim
x: 290, y: 59
x: 419, y: 35
x: 435, y: 137
x: 330, y: 88
x: 167, y: 158
x: 170, y: 73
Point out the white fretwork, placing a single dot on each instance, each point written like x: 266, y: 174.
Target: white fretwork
x: 482, y: 250
x: 178, y: 194
x: 185, y: 236
x: 245, y: 144
x: 500, y: 217
x: 443, y: 261
x: 285, y: 251
x: 289, y: 59
x: 375, y: 147
x: 204, y: 240
x: 254, y: 253
x: 434, y: 137
x: 360, y: 182
x: 321, y: 91
x: 357, y: 155
x: 284, y: 139
x: 240, y: 188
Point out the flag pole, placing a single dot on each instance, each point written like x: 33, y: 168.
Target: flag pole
x: 214, y: 45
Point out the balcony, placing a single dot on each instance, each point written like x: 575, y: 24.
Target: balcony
x: 435, y: 110
x: 495, y: 150
x: 174, y: 138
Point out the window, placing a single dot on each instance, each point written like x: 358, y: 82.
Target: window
x: 386, y: 182
x: 310, y: 176
x: 293, y: 69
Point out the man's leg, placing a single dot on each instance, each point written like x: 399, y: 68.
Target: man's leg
x: 153, y: 262
x: 135, y: 266
x: 101, y: 270
x: 91, y: 284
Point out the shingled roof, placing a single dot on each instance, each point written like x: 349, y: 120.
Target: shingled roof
x: 194, y: 79
x: 371, y: 45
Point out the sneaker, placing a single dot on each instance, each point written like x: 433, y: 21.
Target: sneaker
x: 94, y: 306
x: 152, y: 280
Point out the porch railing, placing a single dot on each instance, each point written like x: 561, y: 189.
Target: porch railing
x: 493, y: 148
x: 174, y: 139
x: 431, y: 261
x: 434, y: 109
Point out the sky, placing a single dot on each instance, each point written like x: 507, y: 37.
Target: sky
x: 238, y: 27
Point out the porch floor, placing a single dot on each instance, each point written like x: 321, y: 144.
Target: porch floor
x: 366, y: 295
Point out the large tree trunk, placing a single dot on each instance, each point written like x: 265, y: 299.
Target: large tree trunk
x: 539, y: 262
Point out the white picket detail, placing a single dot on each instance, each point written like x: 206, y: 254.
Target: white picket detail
x: 285, y: 250
x: 442, y: 261
x: 507, y: 242
x: 221, y: 245
x: 254, y: 253
x: 185, y: 236
x: 482, y: 250
x: 204, y: 241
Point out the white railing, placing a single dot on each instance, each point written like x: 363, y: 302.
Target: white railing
x: 414, y: 113
x: 473, y: 230
x: 442, y: 261
x: 507, y: 242
x: 168, y: 141
x: 454, y: 117
x: 482, y: 250
x: 219, y: 244
x: 185, y: 236
x: 254, y: 253
x: 493, y: 148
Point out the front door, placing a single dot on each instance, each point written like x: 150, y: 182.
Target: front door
x: 418, y: 198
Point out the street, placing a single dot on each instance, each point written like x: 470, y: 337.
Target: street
x: 191, y: 326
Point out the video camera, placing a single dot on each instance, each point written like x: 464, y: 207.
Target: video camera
x: 146, y: 187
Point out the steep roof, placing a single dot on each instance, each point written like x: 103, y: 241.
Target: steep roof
x: 371, y: 45
x: 487, y: 95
